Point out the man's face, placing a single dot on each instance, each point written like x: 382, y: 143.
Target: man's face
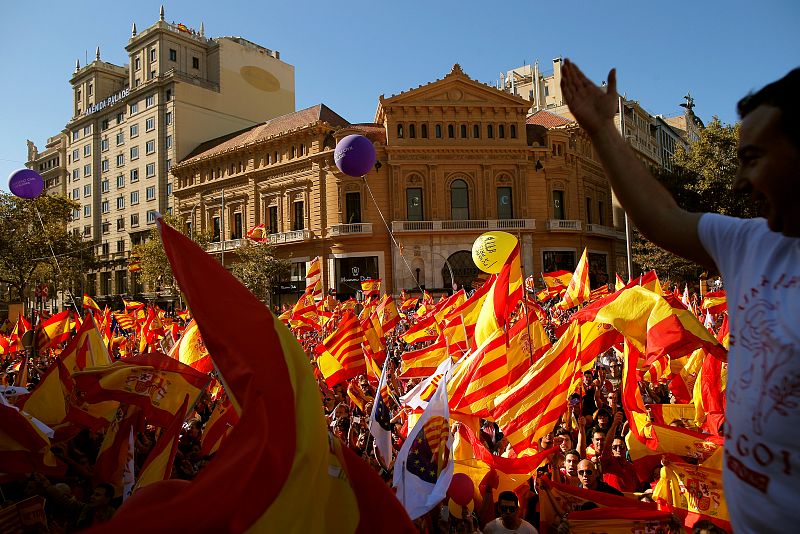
x: 571, y: 464
x: 587, y: 474
x: 769, y: 169
x: 587, y: 379
x: 598, y: 440
x: 508, y: 509
x: 99, y: 498
x: 566, y: 442
x: 618, y: 448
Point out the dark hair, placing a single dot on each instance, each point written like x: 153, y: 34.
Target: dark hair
x: 508, y: 496
x: 781, y: 94
x: 573, y: 452
x: 563, y: 432
x: 107, y: 488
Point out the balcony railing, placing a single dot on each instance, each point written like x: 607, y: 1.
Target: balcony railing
x: 288, y: 237
x: 472, y: 225
x: 564, y: 225
x: 350, y: 229
x: 599, y: 229
x: 229, y: 245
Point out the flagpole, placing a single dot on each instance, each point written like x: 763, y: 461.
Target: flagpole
x: 525, y: 298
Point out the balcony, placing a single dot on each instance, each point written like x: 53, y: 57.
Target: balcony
x: 339, y: 230
x: 599, y: 229
x: 472, y: 225
x: 564, y: 225
x: 288, y: 237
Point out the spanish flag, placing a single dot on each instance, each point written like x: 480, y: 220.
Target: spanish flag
x: 371, y: 288
x: 693, y: 493
x: 54, y: 330
x: 426, y: 329
x: 387, y: 313
x: 158, y: 465
x: 86, y: 348
x: 90, y: 304
x: 715, y: 302
x: 422, y: 363
x: 280, y: 449
x: 191, y: 350
x: 557, y: 279
x: 218, y: 427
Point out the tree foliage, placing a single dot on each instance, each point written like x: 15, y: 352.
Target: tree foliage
x: 26, y: 257
x: 258, y: 268
x: 701, y: 181
x: 155, y: 270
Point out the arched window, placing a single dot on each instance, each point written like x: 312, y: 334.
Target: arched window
x: 513, y: 131
x: 463, y: 270
x: 438, y: 131
x: 490, y: 131
x: 424, y: 131
x: 459, y: 200
x: 400, y: 131
x: 476, y: 131
x: 412, y: 131
x: 501, y: 131
x: 451, y: 131
x: 463, y: 131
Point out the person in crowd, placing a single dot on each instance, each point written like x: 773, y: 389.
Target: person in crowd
x: 589, y: 477
x: 509, y: 519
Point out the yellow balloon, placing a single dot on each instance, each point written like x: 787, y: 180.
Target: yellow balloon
x: 491, y: 250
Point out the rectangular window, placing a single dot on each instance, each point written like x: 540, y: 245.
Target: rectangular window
x: 236, y: 231
x: 505, y: 205
x: 76, y: 213
x: 169, y: 189
x: 134, y: 130
x: 600, y: 212
x: 87, y: 150
x: 299, y: 220
x: 120, y: 117
x: 168, y: 95
x: 150, y: 192
x: 120, y: 202
x: 134, y: 108
x: 414, y: 211
x: 122, y: 282
x: 87, y: 210
x: 134, y: 175
x: 134, y: 198
x: 588, y: 210
x: 353, y: 208
x: 105, y: 278
x: 558, y: 260
x: 76, y: 174
x: 88, y: 129
x: 105, y: 227
x: 104, y: 165
x: 76, y: 155
x: 120, y: 181
x: 150, y: 170
x: 134, y: 152
x: 558, y: 205
x: 195, y: 63
x: 169, y: 141
x: 168, y: 118
x: 150, y: 146
x: 215, y: 229
x: 104, y: 144
x: 137, y: 63
x: 87, y: 231
x: 104, y: 186
x: 76, y: 133
x: 120, y: 160
x: 173, y: 54
x: 121, y: 226
x: 168, y: 164
x: 104, y: 206
x: 272, y: 216
x: 87, y: 170
x: 150, y: 101
x: 76, y: 193
x: 438, y: 129
x: 134, y: 219
x: 120, y: 138
x: 87, y: 190
x: 152, y: 54
x: 150, y: 124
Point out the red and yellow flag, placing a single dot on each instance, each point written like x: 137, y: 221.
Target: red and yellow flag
x: 501, y: 300
x: 190, y: 350
x: 90, y: 304
x: 85, y: 349
x: 218, y: 427
x: 158, y: 465
x: 54, y: 330
x: 371, y: 288
x: 425, y: 329
x: 339, y: 356
x: 387, y: 313
x: 557, y: 279
x: 266, y: 480
x: 715, y: 302
x: 578, y: 290
x: 422, y: 363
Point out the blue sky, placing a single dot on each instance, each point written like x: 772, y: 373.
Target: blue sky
x: 348, y: 53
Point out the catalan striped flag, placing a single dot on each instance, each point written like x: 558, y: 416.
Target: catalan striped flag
x: 470, y: 310
x: 125, y: 320
x: 449, y: 304
x: 528, y: 342
x: 266, y: 480
x: 578, y: 290
x: 132, y: 305
x: 455, y: 335
x: 339, y: 356
x: 501, y: 300
x: 314, y: 278
x: 481, y: 376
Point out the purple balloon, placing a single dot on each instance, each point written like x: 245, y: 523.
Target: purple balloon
x: 26, y: 183
x: 354, y: 155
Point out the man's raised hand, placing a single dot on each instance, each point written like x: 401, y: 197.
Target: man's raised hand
x: 591, y: 106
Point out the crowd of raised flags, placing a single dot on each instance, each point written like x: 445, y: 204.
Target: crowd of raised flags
x: 263, y: 423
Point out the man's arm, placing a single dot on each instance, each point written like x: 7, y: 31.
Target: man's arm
x: 646, y: 201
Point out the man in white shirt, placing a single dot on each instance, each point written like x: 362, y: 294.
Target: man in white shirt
x: 509, y: 520
x: 760, y: 262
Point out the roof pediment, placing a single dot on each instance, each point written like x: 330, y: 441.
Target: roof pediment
x: 455, y: 89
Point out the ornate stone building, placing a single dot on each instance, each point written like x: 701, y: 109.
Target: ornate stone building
x: 456, y: 158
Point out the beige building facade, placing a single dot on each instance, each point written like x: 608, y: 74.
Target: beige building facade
x: 50, y: 163
x: 132, y: 122
x: 456, y: 158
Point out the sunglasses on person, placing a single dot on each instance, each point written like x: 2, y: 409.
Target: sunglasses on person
x: 586, y: 472
x: 508, y: 509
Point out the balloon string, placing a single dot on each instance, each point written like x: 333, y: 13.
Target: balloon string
x: 391, y: 234
x: 61, y: 274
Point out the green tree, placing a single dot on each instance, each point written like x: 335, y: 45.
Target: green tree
x: 155, y: 269
x: 258, y: 268
x: 26, y: 256
x: 701, y: 181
